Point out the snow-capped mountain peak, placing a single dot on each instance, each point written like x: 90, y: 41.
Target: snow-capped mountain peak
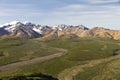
x: 10, y: 27
x: 30, y: 29
x: 60, y: 27
x: 13, y: 22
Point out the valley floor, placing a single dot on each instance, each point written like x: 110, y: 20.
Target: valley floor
x: 63, y: 59
x: 72, y: 73
x: 34, y: 60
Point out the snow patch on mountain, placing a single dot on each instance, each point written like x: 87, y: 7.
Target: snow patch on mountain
x: 38, y: 30
x: 10, y: 27
x: 60, y: 27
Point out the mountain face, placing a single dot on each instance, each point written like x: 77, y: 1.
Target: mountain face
x: 30, y: 30
x: 3, y: 32
x: 19, y: 29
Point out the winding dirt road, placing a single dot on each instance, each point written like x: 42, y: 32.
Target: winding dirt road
x: 34, y: 60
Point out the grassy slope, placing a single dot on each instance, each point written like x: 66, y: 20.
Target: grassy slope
x: 89, y: 73
x: 18, y: 50
x: 78, y: 52
x: 106, y: 71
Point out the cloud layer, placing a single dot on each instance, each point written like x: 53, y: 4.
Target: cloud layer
x: 87, y: 12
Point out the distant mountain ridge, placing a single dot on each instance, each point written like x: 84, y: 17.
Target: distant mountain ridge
x: 31, y: 30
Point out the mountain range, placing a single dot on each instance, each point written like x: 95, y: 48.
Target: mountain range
x: 31, y: 30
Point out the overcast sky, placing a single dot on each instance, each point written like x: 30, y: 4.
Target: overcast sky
x: 91, y: 13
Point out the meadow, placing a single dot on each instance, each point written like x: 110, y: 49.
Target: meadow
x: 79, y: 52
x: 13, y: 50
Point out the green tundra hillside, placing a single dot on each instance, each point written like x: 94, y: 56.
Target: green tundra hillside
x: 64, y: 58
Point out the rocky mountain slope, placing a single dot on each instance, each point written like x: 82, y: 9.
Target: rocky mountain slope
x: 30, y: 30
